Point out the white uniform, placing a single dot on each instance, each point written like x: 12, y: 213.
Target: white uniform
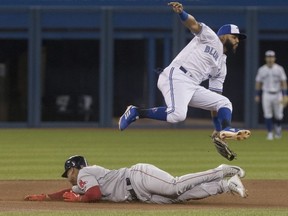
x: 271, y: 86
x: 150, y: 184
x: 179, y: 83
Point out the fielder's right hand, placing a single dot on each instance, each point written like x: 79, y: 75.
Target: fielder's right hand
x: 176, y: 6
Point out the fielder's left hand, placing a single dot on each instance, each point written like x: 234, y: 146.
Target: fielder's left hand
x: 214, y: 134
x: 223, y: 148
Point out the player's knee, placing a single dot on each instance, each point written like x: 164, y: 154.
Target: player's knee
x: 279, y: 117
x: 175, y: 117
x: 225, y: 102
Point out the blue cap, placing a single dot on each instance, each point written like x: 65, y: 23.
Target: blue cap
x: 231, y: 29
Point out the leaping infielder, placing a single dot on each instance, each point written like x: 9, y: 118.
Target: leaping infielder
x: 203, y: 58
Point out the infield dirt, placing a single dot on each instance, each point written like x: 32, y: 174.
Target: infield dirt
x: 262, y: 194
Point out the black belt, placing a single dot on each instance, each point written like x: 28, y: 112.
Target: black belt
x: 269, y: 92
x: 131, y: 190
x: 183, y: 69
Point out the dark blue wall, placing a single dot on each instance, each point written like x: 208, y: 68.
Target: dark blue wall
x: 145, y: 2
x: 147, y: 20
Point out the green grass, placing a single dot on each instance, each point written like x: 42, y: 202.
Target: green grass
x: 40, y: 154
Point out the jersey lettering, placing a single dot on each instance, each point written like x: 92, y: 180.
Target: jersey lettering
x: 211, y: 51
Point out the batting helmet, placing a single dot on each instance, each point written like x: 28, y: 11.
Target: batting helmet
x: 76, y: 161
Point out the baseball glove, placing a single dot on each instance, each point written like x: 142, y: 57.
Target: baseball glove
x: 223, y: 149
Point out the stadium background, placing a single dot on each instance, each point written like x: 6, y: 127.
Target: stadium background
x: 80, y: 63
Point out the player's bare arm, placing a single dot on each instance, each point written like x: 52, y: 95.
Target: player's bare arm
x: 284, y: 92
x: 258, y: 87
x: 284, y: 85
x: 187, y: 19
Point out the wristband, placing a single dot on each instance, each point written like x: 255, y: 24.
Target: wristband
x: 183, y: 15
x: 284, y: 92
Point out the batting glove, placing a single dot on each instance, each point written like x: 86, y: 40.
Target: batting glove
x: 35, y: 197
x: 71, y: 197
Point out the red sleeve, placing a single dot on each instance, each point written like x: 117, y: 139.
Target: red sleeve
x: 92, y: 194
x: 58, y: 195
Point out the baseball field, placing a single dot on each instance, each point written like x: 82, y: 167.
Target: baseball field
x: 32, y: 161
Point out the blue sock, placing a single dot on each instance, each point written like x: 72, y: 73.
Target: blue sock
x: 224, y: 116
x: 157, y: 113
x: 217, y: 124
x: 269, y: 124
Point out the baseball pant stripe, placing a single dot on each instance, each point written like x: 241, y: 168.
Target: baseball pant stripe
x: 171, y: 92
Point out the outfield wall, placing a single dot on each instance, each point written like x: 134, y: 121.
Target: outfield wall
x: 81, y: 64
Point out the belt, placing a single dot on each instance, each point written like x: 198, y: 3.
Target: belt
x: 183, y: 69
x: 131, y: 190
x: 269, y: 92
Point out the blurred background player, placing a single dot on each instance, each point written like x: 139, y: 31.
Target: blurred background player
x: 272, y: 86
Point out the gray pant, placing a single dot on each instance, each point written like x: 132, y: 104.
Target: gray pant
x: 153, y: 185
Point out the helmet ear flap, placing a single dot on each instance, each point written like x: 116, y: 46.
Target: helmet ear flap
x: 76, y: 161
